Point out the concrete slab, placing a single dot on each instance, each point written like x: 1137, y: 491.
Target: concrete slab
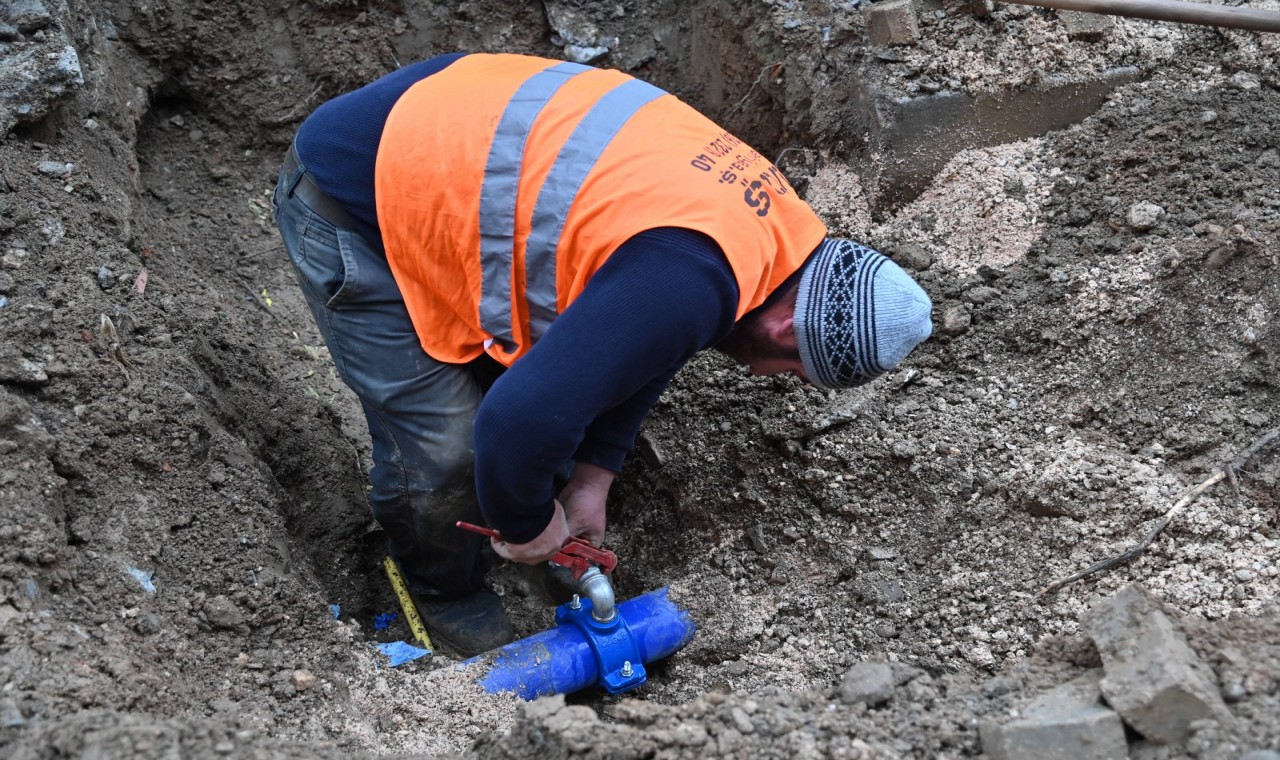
x: 1065, y: 723
x: 914, y: 137
x: 1153, y: 679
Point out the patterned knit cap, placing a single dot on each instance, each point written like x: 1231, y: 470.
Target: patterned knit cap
x: 857, y: 314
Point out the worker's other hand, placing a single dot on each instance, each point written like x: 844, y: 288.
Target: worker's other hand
x: 584, y: 500
x: 541, y: 548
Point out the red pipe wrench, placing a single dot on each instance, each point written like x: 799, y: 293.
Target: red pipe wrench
x: 577, y: 554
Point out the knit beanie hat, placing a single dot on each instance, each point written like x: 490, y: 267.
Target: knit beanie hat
x: 857, y: 315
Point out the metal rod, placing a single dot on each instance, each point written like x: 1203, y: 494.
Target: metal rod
x: 1252, y: 19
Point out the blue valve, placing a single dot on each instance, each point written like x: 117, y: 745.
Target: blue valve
x: 582, y: 652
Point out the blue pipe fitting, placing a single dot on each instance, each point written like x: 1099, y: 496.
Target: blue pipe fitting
x: 617, y: 656
x: 581, y: 652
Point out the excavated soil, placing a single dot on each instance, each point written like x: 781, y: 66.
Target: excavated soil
x: 181, y: 471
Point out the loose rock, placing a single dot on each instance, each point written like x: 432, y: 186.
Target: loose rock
x: 955, y: 321
x: 1143, y: 216
x: 868, y: 682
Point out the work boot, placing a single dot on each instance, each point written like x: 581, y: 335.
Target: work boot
x: 468, y: 625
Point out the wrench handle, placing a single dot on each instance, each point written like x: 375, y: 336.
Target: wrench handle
x: 490, y: 532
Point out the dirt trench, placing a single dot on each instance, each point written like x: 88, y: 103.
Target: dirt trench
x: 183, y: 487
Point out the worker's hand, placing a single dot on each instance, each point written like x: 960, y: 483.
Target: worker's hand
x: 541, y: 548
x: 584, y: 501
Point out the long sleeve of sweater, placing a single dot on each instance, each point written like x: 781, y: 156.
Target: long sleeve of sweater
x: 584, y: 389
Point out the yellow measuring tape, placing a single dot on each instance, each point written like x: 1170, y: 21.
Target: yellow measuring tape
x: 406, y: 603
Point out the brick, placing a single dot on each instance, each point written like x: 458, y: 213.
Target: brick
x: 892, y: 22
x: 1153, y: 679
x: 1085, y: 26
x: 1065, y: 723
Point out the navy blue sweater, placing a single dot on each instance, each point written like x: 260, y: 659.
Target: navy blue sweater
x: 583, y: 390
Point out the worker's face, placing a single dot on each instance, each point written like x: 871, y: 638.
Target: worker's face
x: 777, y: 365
x: 765, y: 344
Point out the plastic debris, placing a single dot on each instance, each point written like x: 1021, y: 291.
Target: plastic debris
x: 143, y: 577
x: 383, y: 620
x: 401, y: 652
x: 335, y: 610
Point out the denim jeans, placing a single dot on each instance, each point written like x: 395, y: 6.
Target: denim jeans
x: 420, y: 411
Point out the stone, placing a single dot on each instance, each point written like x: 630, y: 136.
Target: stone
x: 1068, y: 722
x: 55, y: 168
x: 10, y: 715
x: 981, y: 294
x: 1153, y: 678
x: 585, y: 53
x: 955, y: 321
x: 1245, y: 80
x: 543, y: 707
x: 892, y: 22
x: 31, y: 83
x: 1220, y: 256
x: 221, y: 612
x: 22, y: 371
x: 28, y: 15
x: 1143, y: 215
x: 649, y: 450
x: 912, y: 256
x: 575, y: 27
x: 303, y: 679
x: 867, y: 682
x: 878, y: 588
x: 1085, y: 26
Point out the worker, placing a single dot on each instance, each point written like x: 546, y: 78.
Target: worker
x: 509, y: 258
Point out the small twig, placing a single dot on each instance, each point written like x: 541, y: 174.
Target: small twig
x: 783, y: 154
x: 292, y: 112
x: 742, y: 104
x: 261, y: 304
x: 108, y: 330
x: 1228, y: 472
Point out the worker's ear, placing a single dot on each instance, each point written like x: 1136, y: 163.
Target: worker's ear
x: 780, y: 328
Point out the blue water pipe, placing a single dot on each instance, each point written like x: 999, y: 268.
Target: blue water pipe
x: 582, y: 651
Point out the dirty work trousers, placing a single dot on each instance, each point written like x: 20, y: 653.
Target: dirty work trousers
x: 420, y: 411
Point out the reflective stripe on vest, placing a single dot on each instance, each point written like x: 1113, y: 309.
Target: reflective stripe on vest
x: 501, y: 180
x: 574, y: 161
x: 498, y: 196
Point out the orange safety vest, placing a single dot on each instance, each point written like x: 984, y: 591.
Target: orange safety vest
x: 504, y: 182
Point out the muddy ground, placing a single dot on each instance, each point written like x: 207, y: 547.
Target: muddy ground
x: 181, y: 472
